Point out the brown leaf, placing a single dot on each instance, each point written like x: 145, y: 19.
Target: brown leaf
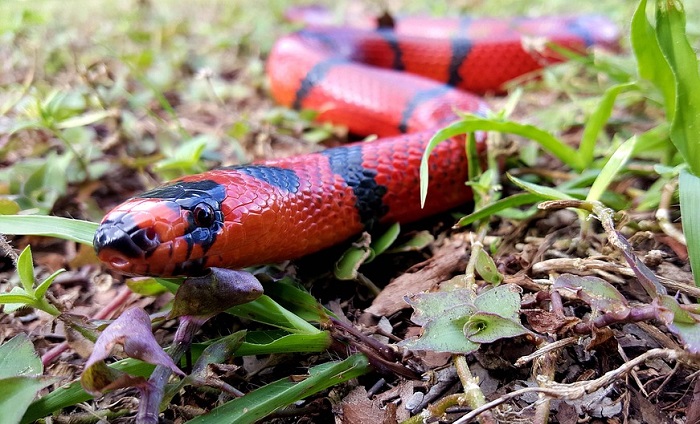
x: 448, y: 259
x: 548, y: 322
x: 359, y: 409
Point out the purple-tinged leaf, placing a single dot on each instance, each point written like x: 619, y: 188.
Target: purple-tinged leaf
x: 600, y: 295
x: 131, y: 331
x: 645, y: 276
x: 680, y: 322
x: 215, y: 292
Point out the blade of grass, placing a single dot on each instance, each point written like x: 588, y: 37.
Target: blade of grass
x: 598, y: 120
x: 670, y: 31
x: 616, y: 162
x: 49, y: 226
x: 267, y: 399
x: 651, y: 64
x: 472, y: 123
x: 689, y: 189
x: 513, y: 201
x: 546, y: 193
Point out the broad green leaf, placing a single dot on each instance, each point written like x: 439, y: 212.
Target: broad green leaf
x: 614, y: 165
x: 185, y: 159
x: 20, y: 381
x: 653, y: 141
x: 9, y: 207
x: 348, y: 265
x: 689, y: 190
x: 259, y: 403
x: 502, y: 300
x: 145, y: 286
x: 49, y: 226
x: 596, y: 292
x: 364, y: 251
x: 442, y: 316
x: 381, y: 244
x: 419, y: 241
x: 684, y: 325
x: 18, y: 358
x: 17, y: 394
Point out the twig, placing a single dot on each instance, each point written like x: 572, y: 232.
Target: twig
x: 7, y: 250
x: 546, y: 349
x: 580, y: 388
x: 664, y: 216
x: 543, y: 370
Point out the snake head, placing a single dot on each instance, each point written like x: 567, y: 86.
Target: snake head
x: 165, y: 231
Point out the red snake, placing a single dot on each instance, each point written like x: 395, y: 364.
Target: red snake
x: 399, y: 83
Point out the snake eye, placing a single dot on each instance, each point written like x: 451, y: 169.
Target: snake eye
x: 203, y: 215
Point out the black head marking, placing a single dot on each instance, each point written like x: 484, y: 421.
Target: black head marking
x: 282, y: 178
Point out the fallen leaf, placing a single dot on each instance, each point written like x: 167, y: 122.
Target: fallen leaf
x: 448, y: 259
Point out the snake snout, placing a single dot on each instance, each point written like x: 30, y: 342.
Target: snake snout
x: 115, y: 240
x: 146, y: 239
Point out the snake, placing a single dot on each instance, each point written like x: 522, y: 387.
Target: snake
x: 400, y: 83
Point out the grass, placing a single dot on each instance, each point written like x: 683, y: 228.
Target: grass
x: 97, y: 103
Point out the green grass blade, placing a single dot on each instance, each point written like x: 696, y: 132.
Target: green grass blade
x: 685, y: 127
x: 598, y: 120
x: 651, y: 64
x: 49, y: 226
x: 290, y: 343
x: 267, y: 311
x: 265, y: 400
x: 472, y: 123
x: 689, y: 189
x: 616, y: 162
x: 545, y: 193
x: 513, y: 201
